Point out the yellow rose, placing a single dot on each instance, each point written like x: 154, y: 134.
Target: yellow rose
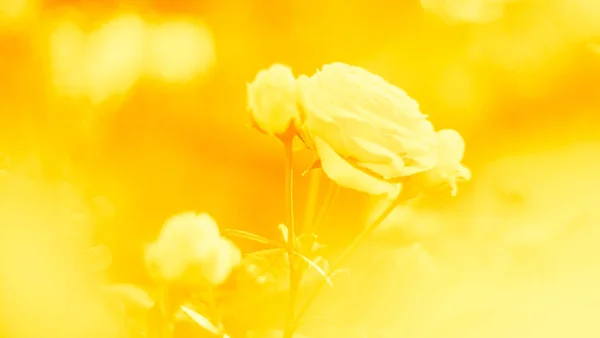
x: 368, y: 133
x: 191, y: 251
x: 449, y: 169
x: 272, y: 101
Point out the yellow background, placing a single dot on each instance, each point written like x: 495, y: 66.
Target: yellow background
x: 130, y: 111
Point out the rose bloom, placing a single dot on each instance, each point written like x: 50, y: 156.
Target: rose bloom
x: 191, y: 251
x: 368, y: 133
x: 272, y: 98
x: 447, y: 172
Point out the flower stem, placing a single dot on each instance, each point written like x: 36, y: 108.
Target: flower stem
x: 160, y: 324
x: 291, y: 243
x: 349, y: 250
x: 213, y: 310
x: 314, y: 187
x: 289, y: 192
x: 330, y: 197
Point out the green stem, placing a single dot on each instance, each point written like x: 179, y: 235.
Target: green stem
x: 213, y: 310
x: 330, y: 197
x: 314, y: 187
x: 291, y: 243
x: 164, y: 322
x: 349, y: 250
x: 289, y: 192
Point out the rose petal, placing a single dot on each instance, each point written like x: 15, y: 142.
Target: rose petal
x: 451, y: 146
x: 363, y: 117
x: 347, y: 176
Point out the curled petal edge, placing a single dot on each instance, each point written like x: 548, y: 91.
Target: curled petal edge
x: 346, y: 175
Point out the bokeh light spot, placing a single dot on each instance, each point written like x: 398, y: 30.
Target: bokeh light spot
x: 179, y: 51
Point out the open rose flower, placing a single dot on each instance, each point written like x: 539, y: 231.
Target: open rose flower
x: 272, y: 101
x: 191, y: 251
x: 368, y: 133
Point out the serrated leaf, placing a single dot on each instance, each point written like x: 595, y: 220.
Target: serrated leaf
x: 202, y: 321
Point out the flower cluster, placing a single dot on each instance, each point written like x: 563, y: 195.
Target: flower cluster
x: 369, y: 134
x: 191, y: 251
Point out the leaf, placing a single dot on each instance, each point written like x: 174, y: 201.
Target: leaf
x: 270, y: 268
x: 259, y: 298
x: 273, y: 265
x: 252, y: 237
x: 285, y: 232
x: 339, y: 271
x: 308, y: 244
x: 202, y: 321
x: 314, y: 266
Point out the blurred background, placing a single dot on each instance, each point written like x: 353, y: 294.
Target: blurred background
x: 116, y: 114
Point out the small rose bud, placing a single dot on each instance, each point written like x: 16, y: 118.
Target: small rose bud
x: 191, y: 251
x: 272, y: 101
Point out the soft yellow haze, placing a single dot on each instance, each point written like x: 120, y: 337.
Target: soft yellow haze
x: 117, y: 115
x: 109, y: 60
x: 180, y: 51
x: 14, y: 9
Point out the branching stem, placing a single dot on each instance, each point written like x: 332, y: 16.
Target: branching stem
x: 349, y: 250
x: 291, y: 243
